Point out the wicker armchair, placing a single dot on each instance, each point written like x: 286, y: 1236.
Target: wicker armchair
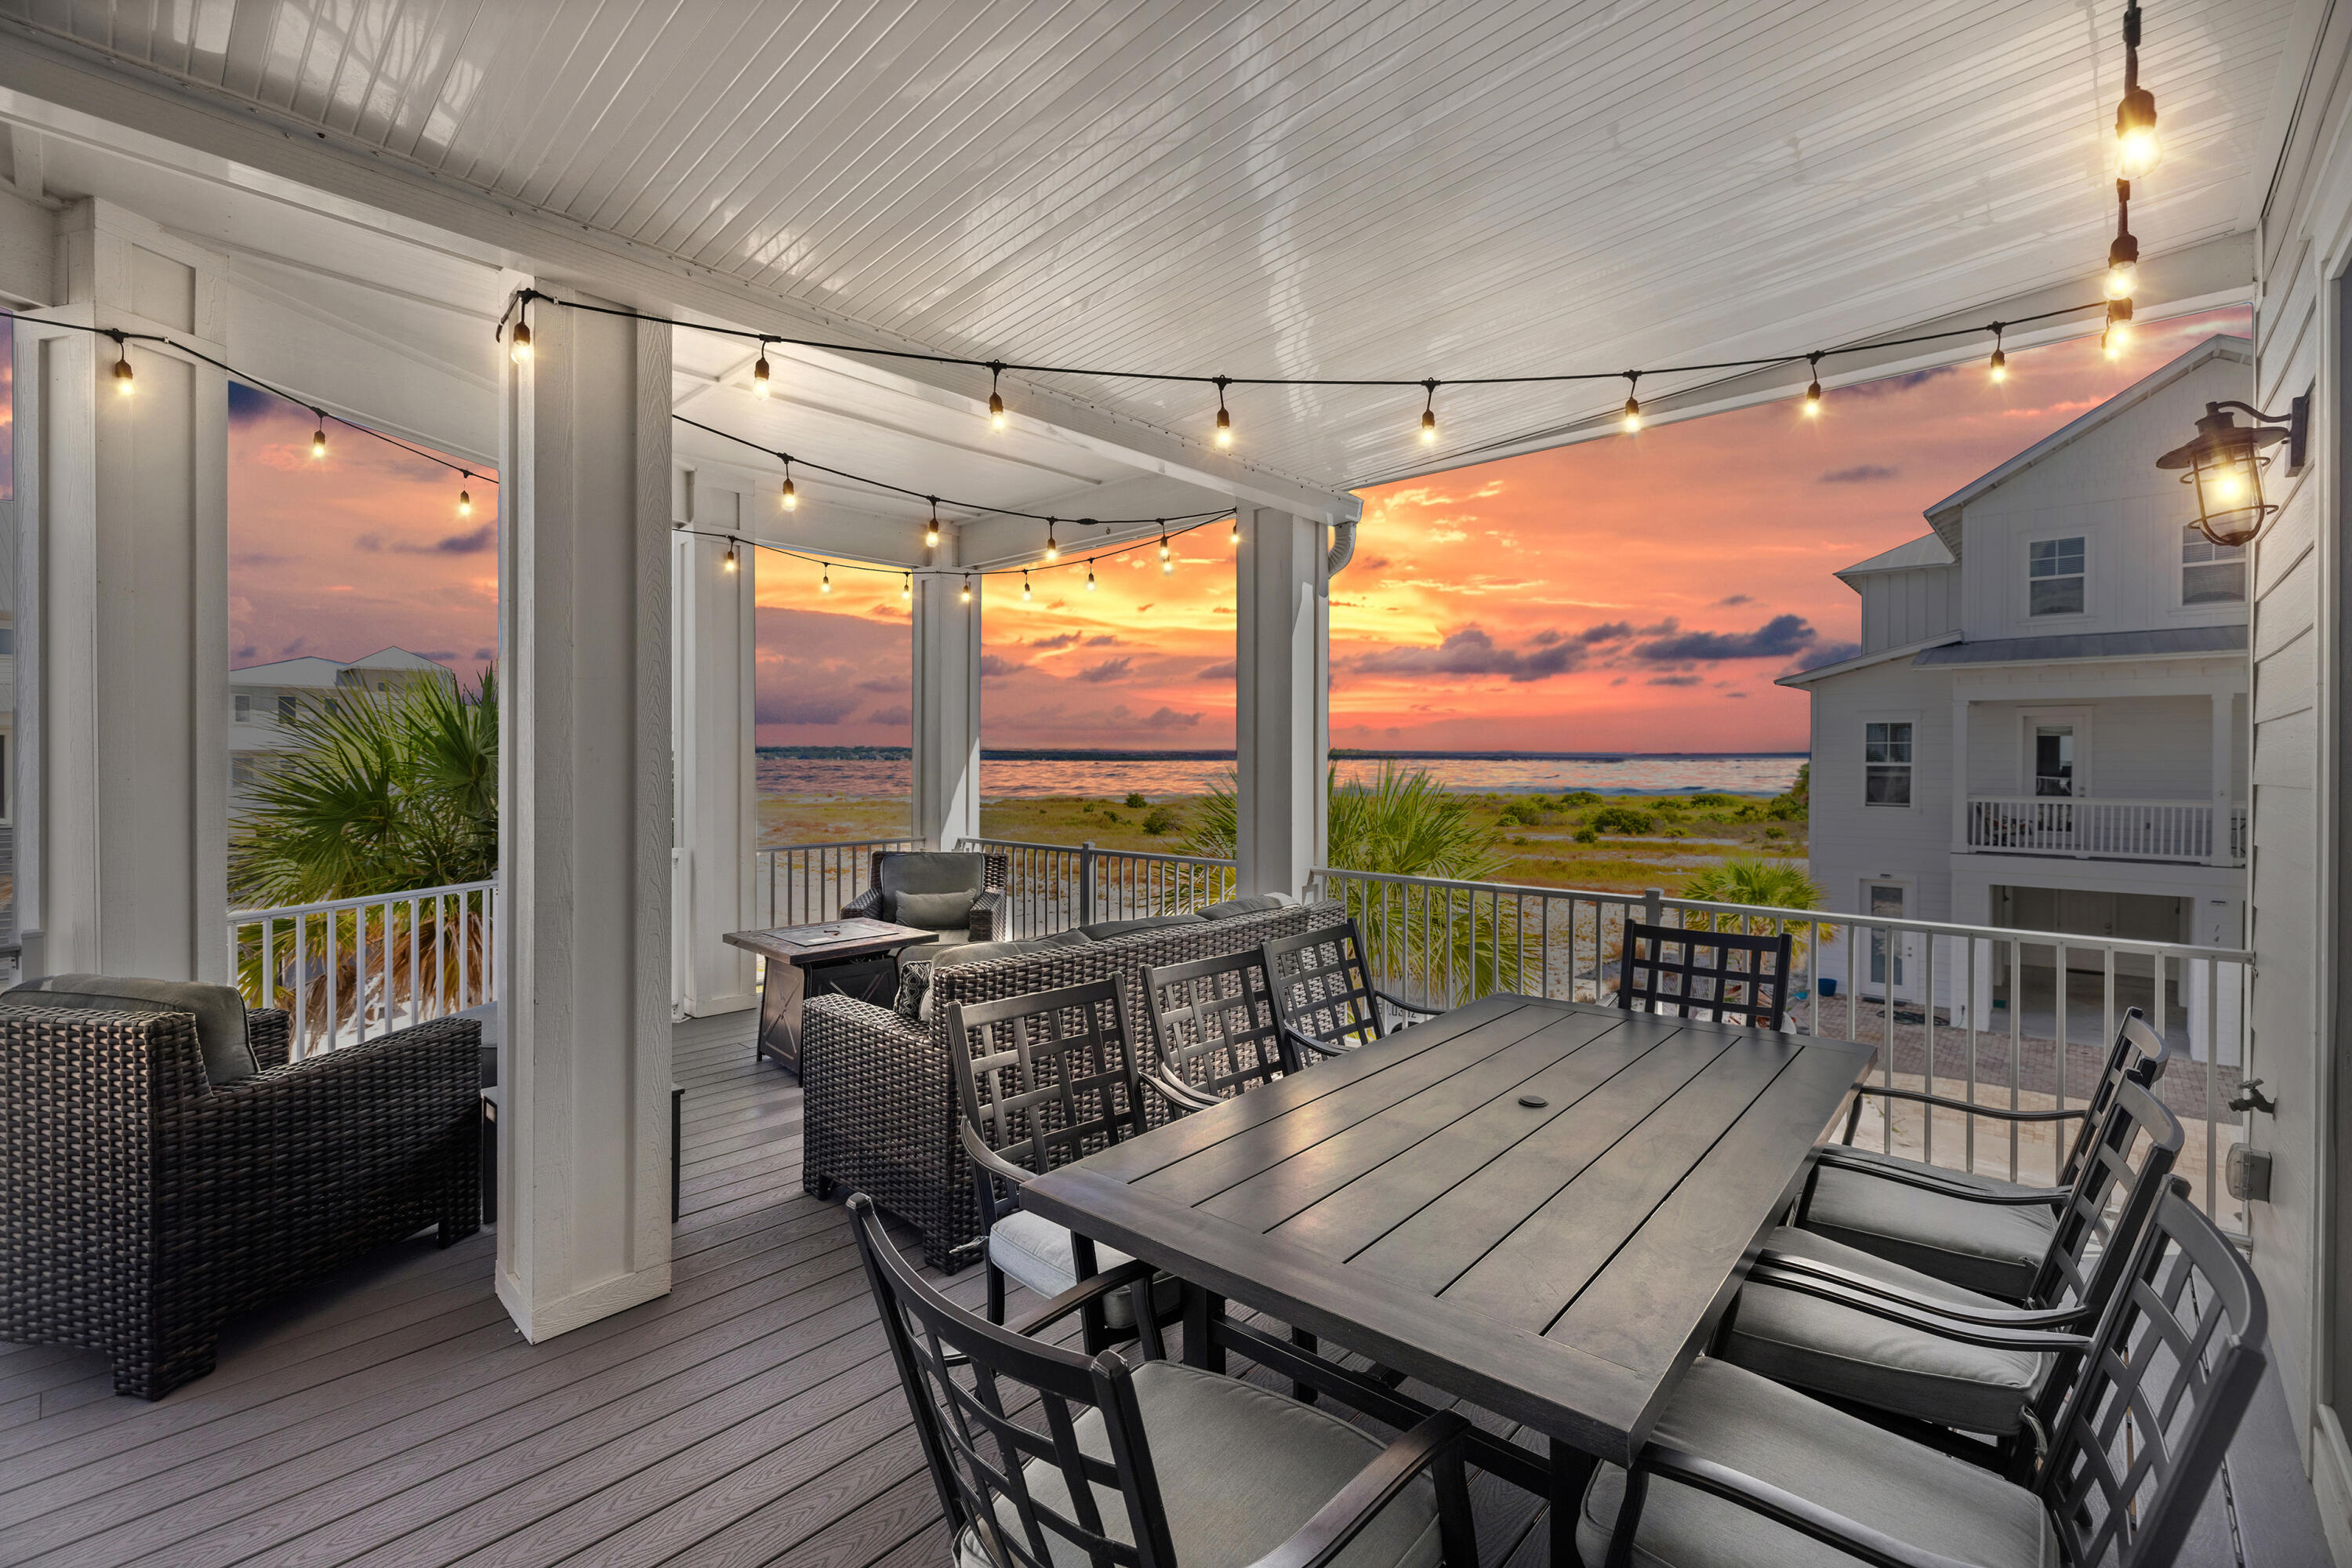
x: 880, y: 1114
x: 146, y: 1206
x: 991, y: 919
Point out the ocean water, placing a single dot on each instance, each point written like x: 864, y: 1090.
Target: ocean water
x: 844, y: 778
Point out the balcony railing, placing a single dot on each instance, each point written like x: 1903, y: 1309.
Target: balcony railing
x: 350, y: 970
x: 1985, y: 1016
x: 2181, y: 830
x: 1054, y: 887
x: 800, y: 884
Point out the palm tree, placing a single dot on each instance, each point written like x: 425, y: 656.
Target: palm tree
x: 381, y: 793
x: 1764, y: 884
x: 1448, y: 945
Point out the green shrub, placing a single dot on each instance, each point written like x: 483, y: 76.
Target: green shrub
x: 1623, y: 819
x: 1581, y: 797
x: 1774, y: 833
x: 1714, y: 800
x: 1586, y: 836
x: 1135, y: 800
x: 1161, y: 820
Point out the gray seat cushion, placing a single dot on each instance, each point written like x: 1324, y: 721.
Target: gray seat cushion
x: 927, y: 871
x: 1247, y: 904
x: 1783, y: 1437
x: 1239, y: 1467
x: 1103, y: 931
x: 934, y: 911
x: 1990, y: 1248
x: 948, y: 954
x: 1037, y: 1253
x: 1810, y: 1343
x: 219, y: 1011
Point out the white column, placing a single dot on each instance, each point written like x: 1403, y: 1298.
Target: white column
x: 718, y: 792
x: 584, y: 807
x: 2225, y: 752
x: 123, y: 631
x: 947, y: 704
x: 1281, y: 723
x: 1959, y: 776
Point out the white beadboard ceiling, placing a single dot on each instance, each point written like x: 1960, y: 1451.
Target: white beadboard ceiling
x: 1327, y: 189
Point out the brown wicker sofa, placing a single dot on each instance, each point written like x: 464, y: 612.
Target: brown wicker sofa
x: 879, y: 1105
x: 145, y: 1206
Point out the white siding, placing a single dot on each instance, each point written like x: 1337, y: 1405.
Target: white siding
x: 1909, y: 606
x: 1852, y: 842
x: 2127, y: 748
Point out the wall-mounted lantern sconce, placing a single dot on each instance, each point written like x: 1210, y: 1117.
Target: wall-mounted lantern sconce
x: 2225, y: 465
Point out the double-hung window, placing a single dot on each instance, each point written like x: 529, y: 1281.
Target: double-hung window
x: 2211, y: 574
x: 2053, y: 577
x: 1886, y: 764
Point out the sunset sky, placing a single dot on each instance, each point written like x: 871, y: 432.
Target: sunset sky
x: 1634, y: 594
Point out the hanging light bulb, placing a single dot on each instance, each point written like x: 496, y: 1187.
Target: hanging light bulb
x: 1813, y: 393
x: 2117, y: 337
x: 760, y: 372
x: 967, y: 588
x: 1224, y: 420
x: 518, y: 346
x: 1632, y: 404
x: 121, y: 365
x: 995, y: 399
x: 931, y: 530
x: 2137, y: 151
x: 792, y: 497
x: 319, y: 437
x: 1052, y: 549
x: 1163, y: 539
x: 730, y: 556
x: 465, y: 498
x: 1090, y: 576
x: 1998, y: 366
x: 1025, y: 594
x: 906, y: 589
x: 2122, y: 256
x: 1429, y: 414
x: 1234, y: 538
x: 824, y: 583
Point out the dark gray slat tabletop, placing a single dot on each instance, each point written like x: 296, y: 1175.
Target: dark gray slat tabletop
x: 1598, y: 1400
x: 1422, y: 1091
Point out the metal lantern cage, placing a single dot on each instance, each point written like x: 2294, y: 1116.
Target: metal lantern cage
x: 2225, y: 465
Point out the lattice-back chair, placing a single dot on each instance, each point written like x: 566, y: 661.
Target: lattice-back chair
x: 1730, y: 977
x: 1323, y: 994
x: 1044, y: 1457
x: 1937, y: 1221
x: 2171, y: 1370
x: 1045, y: 1079
x: 1841, y: 1322
x: 1214, y: 1028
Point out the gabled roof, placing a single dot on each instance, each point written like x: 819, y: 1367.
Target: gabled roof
x: 1945, y: 515
x: 1924, y: 551
x: 312, y: 670
x: 2162, y: 642
x: 1803, y: 677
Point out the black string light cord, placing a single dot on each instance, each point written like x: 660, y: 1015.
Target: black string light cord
x: 121, y: 337
x: 518, y: 306
x: 826, y: 563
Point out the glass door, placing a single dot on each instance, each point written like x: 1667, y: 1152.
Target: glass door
x: 1885, y: 947
x: 2053, y: 760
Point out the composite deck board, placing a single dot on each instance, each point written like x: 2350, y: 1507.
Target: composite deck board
x: 392, y: 1415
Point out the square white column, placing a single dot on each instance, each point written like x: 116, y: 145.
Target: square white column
x: 712, y: 681
x: 1282, y: 722
x: 947, y: 702
x: 122, y: 643
x: 584, y: 829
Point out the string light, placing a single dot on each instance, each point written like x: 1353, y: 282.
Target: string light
x: 792, y: 497
x: 730, y: 556
x: 906, y: 589
x: 1998, y: 366
x: 2117, y: 337
x: 760, y: 372
x: 1163, y: 539
x: 518, y: 346
x: 2137, y: 151
x: 466, y: 497
x: 995, y: 399
x: 1224, y: 420
x: 824, y: 583
x: 1234, y: 538
x: 1090, y: 576
x: 1632, y: 404
x: 2122, y: 256
x: 931, y: 530
x: 1053, y: 547
x: 967, y: 588
x: 1813, y: 393
x: 1429, y: 414
x: 319, y: 437
x: 121, y: 365
x: 1025, y: 594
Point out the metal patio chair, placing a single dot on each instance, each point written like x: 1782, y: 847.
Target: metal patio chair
x: 1214, y: 1028
x: 1044, y: 1457
x: 1724, y: 975
x: 1324, y: 995
x: 1979, y: 1232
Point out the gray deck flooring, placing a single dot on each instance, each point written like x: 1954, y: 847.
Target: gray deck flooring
x: 393, y: 1416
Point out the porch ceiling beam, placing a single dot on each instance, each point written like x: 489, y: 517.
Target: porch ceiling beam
x: 60, y: 74
x: 2201, y: 277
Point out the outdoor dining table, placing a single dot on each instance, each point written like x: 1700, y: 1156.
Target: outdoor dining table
x: 1540, y: 1208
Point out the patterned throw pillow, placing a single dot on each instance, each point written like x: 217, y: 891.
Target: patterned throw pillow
x: 914, y: 979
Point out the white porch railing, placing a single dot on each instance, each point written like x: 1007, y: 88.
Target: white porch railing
x: 1978, y: 1013
x: 800, y: 884
x: 352, y: 969
x: 2104, y: 829
x: 1054, y: 887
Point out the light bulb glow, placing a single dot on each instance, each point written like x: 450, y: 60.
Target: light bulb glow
x: 319, y: 442
x: 519, y: 348
x: 759, y: 374
x: 1090, y: 577
x: 792, y: 497
x: 967, y: 591
x: 1234, y: 538
x: 1998, y: 367
x: 1026, y: 594
x: 1053, y: 547
x: 1167, y: 567
x: 1813, y: 401
x: 1429, y: 427
x: 906, y: 589
x: 2119, y: 280
x: 931, y: 529
x: 995, y: 412
x: 123, y: 373
x: 2227, y: 487
x: 2137, y: 151
x: 824, y: 583
x: 1632, y: 420
x: 464, y: 503
x: 1224, y: 429
x: 730, y: 556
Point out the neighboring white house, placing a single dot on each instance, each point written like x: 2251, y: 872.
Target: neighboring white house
x: 262, y: 696
x: 2046, y: 727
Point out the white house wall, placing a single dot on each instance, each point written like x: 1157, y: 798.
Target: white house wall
x: 1909, y: 606
x: 2127, y: 748
x: 1877, y: 843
